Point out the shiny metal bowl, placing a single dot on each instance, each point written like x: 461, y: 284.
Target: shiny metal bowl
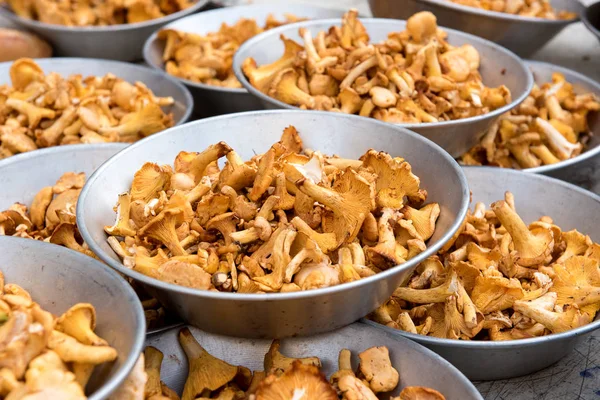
x: 57, y: 278
x: 523, y: 35
x: 535, y: 195
x: 115, y: 42
x: 581, y: 170
x: 214, y: 100
x: 159, y: 84
x: 591, y: 18
x: 498, y: 67
x: 277, y: 314
x: 417, y: 365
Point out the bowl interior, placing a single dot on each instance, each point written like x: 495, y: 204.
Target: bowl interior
x: 161, y: 86
x: 417, y: 366
x: 210, y: 21
x: 58, y: 278
x: 253, y: 133
x: 498, y: 66
x: 542, y: 73
x: 569, y: 206
x: 23, y: 176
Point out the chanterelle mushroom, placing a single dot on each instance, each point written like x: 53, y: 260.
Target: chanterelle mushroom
x: 286, y: 220
x: 377, y: 369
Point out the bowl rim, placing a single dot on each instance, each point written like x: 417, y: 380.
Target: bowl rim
x: 35, y: 24
x: 260, y: 297
x: 586, y: 20
x: 478, y: 12
x: 508, y: 344
x: 140, y: 335
x: 68, y: 149
x: 189, y: 107
x: 586, y: 155
x: 269, y: 9
x: 237, y: 69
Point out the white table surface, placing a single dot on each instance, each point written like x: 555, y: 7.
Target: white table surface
x: 576, y: 377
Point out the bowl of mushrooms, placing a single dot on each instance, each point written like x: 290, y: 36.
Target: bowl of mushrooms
x: 269, y: 242
x: 68, y: 319
x: 554, y: 132
x: 198, y: 50
x: 505, y: 22
x: 516, y: 288
x: 446, y: 85
x: 41, y: 205
x: 355, y: 360
x: 53, y: 102
x: 107, y: 29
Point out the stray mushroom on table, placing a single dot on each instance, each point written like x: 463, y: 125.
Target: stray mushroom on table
x: 289, y: 219
x: 43, y: 110
x: 414, y: 76
x: 283, y: 378
x: 208, y: 58
x: 95, y: 13
x: 550, y: 126
x: 500, y: 279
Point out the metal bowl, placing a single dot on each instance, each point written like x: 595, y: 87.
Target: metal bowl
x: 277, y: 314
x: 159, y: 84
x: 24, y: 175
x: 581, y: 170
x: 57, y: 278
x: 591, y: 18
x: 214, y: 100
x: 535, y: 195
x: 417, y: 365
x: 115, y: 42
x: 498, y: 66
x: 523, y: 35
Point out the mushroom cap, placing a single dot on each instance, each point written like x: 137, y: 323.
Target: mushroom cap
x: 301, y: 382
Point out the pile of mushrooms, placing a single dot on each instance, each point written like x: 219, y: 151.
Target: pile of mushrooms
x: 42, y: 356
x: 414, y: 76
x: 208, y: 59
x: 499, y: 279
x: 44, y: 110
x: 95, y: 12
x: 550, y: 126
x: 524, y: 8
x: 287, y: 220
x: 283, y: 377
x: 51, y: 218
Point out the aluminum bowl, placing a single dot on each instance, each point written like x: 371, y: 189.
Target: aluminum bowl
x: 523, y: 35
x: 581, y: 170
x: 115, y: 42
x: 277, y: 314
x: 498, y: 66
x: 57, y: 278
x: 22, y: 176
x: 213, y: 100
x: 591, y: 18
x: 161, y: 86
x: 417, y: 365
x: 535, y: 195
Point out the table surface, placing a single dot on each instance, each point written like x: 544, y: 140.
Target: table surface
x: 577, y: 376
